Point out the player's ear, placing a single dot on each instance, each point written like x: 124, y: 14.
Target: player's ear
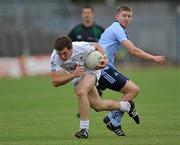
x: 116, y: 17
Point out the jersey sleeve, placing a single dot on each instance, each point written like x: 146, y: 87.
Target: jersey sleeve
x: 71, y: 35
x: 55, y: 65
x: 98, y: 30
x: 74, y: 32
x: 120, y: 33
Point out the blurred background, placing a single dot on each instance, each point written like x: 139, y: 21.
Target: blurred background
x: 32, y: 111
x: 29, y: 27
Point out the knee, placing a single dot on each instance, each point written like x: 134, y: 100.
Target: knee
x: 97, y: 109
x: 135, y: 90
x: 80, y: 92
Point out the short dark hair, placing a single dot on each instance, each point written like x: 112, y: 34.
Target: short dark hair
x: 62, y: 42
x: 88, y: 6
x: 124, y: 8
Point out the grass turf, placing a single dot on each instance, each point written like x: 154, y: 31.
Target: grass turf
x: 32, y: 112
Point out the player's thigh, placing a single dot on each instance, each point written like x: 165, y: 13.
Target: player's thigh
x: 87, y: 82
x: 130, y: 87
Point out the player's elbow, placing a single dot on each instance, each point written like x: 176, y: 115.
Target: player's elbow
x: 54, y: 83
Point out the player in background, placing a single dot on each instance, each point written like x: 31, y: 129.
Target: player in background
x: 88, y: 31
x: 68, y: 64
x: 111, y: 40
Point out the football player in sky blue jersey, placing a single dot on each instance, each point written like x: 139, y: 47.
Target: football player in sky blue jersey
x: 111, y: 40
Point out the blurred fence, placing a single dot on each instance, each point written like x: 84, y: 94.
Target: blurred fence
x: 30, y: 26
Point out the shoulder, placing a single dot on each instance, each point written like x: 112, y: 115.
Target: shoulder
x: 53, y: 54
x: 77, y: 27
x: 54, y: 59
x: 116, y: 25
x: 82, y: 48
x: 80, y: 44
x: 98, y: 27
x: 75, y: 31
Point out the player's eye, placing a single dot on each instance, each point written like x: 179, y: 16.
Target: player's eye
x: 64, y: 53
x: 129, y: 16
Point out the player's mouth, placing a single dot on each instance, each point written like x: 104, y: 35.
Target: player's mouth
x: 125, y: 24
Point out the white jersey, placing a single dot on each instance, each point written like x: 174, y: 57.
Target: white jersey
x: 80, y: 51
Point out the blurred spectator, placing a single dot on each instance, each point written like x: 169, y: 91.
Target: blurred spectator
x: 87, y: 31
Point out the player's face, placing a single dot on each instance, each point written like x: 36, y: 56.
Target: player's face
x: 87, y: 15
x: 124, y: 18
x: 65, y: 54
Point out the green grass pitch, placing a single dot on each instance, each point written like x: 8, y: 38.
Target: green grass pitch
x: 32, y: 112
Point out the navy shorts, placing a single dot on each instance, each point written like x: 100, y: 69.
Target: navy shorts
x: 111, y: 79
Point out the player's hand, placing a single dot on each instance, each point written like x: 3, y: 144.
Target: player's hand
x: 159, y: 59
x: 79, y: 71
x: 102, y: 63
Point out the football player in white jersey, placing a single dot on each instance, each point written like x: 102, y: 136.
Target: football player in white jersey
x: 69, y: 57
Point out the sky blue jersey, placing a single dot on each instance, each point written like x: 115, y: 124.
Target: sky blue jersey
x: 111, y: 40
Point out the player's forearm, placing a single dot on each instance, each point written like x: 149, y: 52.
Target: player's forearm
x: 141, y: 54
x: 133, y: 50
x: 59, y: 81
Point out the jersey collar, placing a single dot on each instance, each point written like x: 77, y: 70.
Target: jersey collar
x: 124, y: 28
